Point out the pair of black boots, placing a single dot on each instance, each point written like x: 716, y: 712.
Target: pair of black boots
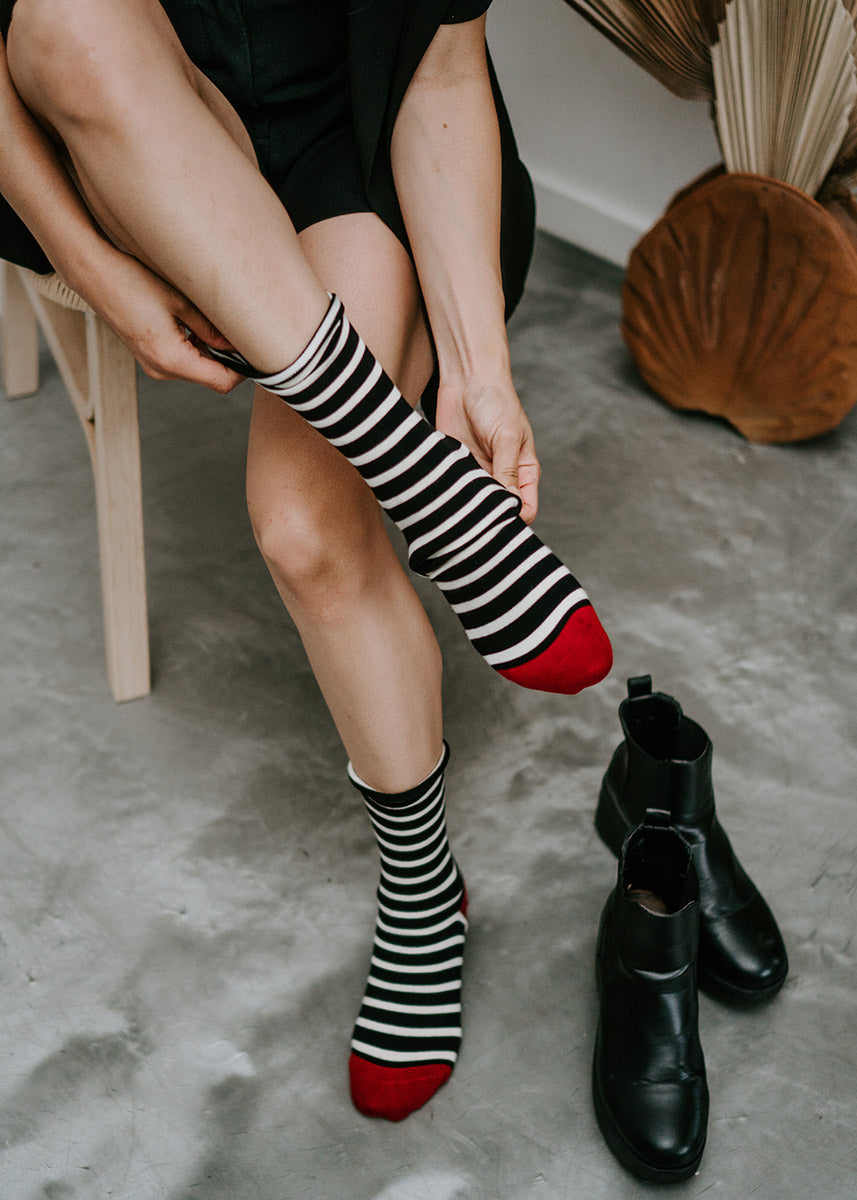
x: 683, y: 911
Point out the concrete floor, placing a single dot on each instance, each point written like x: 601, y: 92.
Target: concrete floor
x: 187, y: 881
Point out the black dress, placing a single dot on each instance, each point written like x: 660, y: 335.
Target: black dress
x: 318, y: 84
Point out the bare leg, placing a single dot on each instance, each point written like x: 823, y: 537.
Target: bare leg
x: 321, y: 533
x: 171, y: 178
x: 167, y: 179
x: 160, y: 170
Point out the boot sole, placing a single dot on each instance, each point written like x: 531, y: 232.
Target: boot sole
x: 713, y: 986
x: 626, y: 1156
x: 612, y: 828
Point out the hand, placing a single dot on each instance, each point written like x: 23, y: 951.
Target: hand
x: 488, y: 418
x: 164, y: 331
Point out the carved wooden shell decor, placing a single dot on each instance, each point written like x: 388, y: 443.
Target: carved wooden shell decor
x: 742, y: 302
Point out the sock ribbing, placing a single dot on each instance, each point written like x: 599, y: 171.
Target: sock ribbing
x: 408, y: 1031
x: 522, y: 609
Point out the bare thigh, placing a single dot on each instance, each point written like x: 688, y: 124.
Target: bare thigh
x: 295, y: 479
x: 141, y: 23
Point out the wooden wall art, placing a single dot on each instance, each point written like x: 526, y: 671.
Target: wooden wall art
x: 741, y: 302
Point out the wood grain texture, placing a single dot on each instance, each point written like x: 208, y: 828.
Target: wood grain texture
x: 742, y: 302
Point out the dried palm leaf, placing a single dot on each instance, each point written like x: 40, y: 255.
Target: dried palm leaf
x: 785, y: 83
x: 843, y: 175
x: 671, y: 39
x: 742, y: 300
x: 676, y: 42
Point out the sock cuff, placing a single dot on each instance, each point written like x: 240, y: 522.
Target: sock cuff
x: 316, y: 349
x: 401, y: 799
x: 282, y: 379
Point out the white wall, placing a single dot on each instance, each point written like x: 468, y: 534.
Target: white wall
x: 606, y: 145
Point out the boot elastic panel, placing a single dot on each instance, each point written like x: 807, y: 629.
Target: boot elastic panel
x: 656, y: 722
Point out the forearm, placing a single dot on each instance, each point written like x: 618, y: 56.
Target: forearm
x: 447, y: 169
x: 446, y: 166
x: 35, y: 182
x: 150, y: 316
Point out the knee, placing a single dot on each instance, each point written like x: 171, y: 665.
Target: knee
x: 323, y: 568
x: 67, y: 57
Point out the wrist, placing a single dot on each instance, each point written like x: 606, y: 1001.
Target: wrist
x: 86, y: 262
x: 464, y: 361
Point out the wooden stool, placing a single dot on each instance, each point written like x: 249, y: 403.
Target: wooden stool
x: 99, y: 373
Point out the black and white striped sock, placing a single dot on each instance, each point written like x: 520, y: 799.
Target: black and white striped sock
x: 523, y: 610
x: 408, y: 1031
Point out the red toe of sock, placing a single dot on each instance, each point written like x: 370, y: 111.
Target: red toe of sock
x: 393, y: 1092
x: 578, y: 657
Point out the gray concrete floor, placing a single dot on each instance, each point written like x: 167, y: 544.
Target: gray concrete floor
x: 187, y: 881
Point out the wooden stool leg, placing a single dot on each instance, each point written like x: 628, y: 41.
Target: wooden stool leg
x: 19, y: 342
x: 118, y: 493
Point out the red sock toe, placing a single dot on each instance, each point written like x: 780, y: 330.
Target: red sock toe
x: 579, y: 656
x: 393, y: 1092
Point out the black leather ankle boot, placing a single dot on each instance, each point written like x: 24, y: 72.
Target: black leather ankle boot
x: 665, y: 762
x: 648, y: 1074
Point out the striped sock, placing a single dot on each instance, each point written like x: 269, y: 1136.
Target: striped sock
x: 522, y: 609
x: 408, y: 1031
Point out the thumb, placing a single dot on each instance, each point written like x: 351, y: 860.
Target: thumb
x: 504, y: 462
x: 200, y: 326
x: 198, y: 367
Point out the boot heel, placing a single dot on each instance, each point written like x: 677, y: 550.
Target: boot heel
x: 610, y: 825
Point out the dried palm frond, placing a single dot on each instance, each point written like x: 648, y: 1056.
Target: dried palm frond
x: 785, y: 82
x: 844, y: 171
x: 671, y: 39
x: 782, y: 76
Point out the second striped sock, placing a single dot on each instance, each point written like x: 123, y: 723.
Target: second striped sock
x: 408, y: 1031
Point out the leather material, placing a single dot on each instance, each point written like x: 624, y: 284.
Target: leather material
x: 648, y: 1077
x: 665, y: 761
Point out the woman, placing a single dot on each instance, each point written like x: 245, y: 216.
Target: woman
x: 133, y: 135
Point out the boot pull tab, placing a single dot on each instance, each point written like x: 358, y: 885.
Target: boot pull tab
x: 638, y: 686
x: 660, y: 818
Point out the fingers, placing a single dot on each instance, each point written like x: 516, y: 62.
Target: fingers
x: 528, y: 488
x: 208, y: 371
x: 164, y: 331
x: 186, y: 361
x: 490, y: 422
x: 200, y: 368
x: 504, y: 461
x: 514, y: 464
x: 185, y: 357
x: 201, y: 327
